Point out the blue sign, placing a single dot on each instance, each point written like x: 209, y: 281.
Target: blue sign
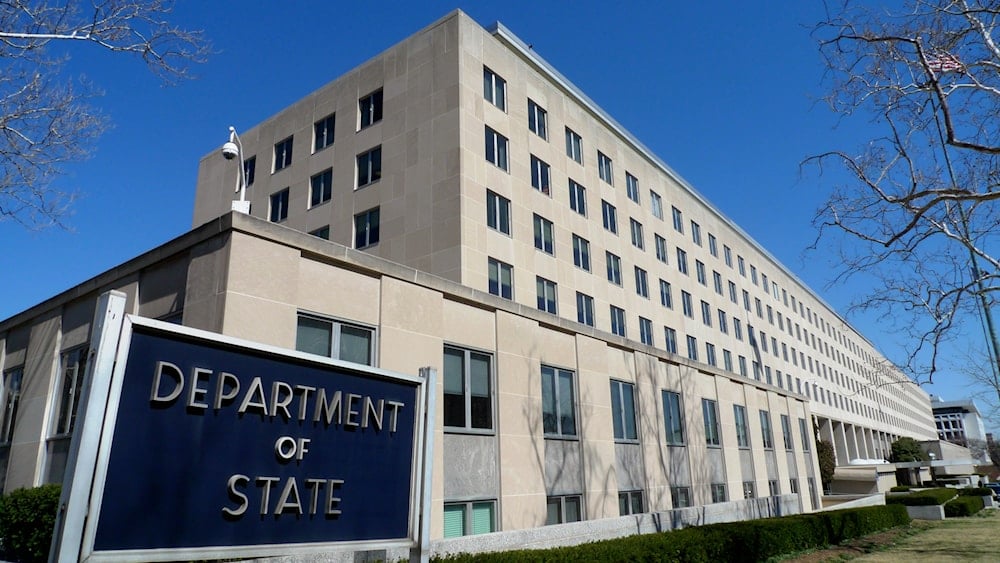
x: 219, y: 445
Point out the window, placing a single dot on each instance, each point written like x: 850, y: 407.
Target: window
x: 719, y: 492
x: 632, y: 187
x: 699, y: 270
x: 279, y: 206
x: 673, y: 419
x: 723, y: 323
x: 541, y: 175
x: 678, y: 220
x: 468, y: 402
x: 559, y: 510
x: 370, y: 109
x: 581, y: 253
x: 742, y: 265
x: 604, y: 168
x: 366, y: 229
x: 670, y: 338
x: 321, y: 187
x: 682, y: 261
x: 637, y: 238
x: 728, y: 254
x: 706, y: 313
x: 765, y: 430
x: 494, y: 89
x: 630, y: 502
x: 577, y: 198
x: 538, y: 120
x: 737, y: 329
x: 469, y: 518
x: 802, y: 428
x: 584, y: 309
x: 610, y: 216
x: 710, y: 413
x: 793, y: 485
x: 497, y: 212
x: 614, y: 268
x: 335, y: 339
x: 646, y: 331
x: 713, y: 245
x: 661, y: 248
x: 322, y: 232
x: 742, y: 430
x: 250, y: 169
x: 574, y: 146
x: 696, y: 233
x: 656, y: 204
x: 748, y: 490
x: 623, y: 410
x: 666, y: 299
x: 543, y: 234
x: 692, y: 345
x: 370, y: 166
x: 496, y: 148
x: 501, y: 279
x: 641, y: 284
x: 710, y: 354
x: 786, y: 432
x: 727, y: 360
x: 717, y: 281
x: 558, y: 402
x: 618, y: 321
x: 732, y: 292
x: 283, y: 154
x: 681, y: 496
x: 686, y: 304
x: 323, y: 132
x: 772, y: 488
x: 11, y: 400
x: 546, y: 294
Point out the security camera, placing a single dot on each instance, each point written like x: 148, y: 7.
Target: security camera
x: 230, y: 150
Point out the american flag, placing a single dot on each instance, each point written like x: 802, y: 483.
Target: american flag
x: 944, y: 62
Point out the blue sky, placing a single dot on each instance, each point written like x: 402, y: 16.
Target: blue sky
x: 727, y: 93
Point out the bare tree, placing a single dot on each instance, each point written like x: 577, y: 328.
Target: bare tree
x: 915, y: 208
x: 45, y: 120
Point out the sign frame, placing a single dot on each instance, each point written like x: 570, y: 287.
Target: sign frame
x: 101, y: 414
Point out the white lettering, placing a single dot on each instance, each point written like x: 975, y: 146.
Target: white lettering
x: 172, y: 371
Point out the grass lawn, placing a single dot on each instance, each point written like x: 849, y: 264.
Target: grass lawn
x: 976, y: 538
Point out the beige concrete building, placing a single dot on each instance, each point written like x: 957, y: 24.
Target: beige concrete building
x: 609, y: 342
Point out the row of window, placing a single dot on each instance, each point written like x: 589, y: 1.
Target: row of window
x: 479, y: 516
x: 497, y: 153
x: 369, y: 169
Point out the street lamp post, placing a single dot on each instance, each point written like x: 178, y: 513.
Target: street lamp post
x: 230, y: 151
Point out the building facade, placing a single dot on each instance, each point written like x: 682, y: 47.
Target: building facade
x: 609, y: 342
x: 958, y: 422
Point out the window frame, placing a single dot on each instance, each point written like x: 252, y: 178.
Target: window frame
x: 337, y: 326
x: 282, y: 154
x: 467, y: 515
x: 581, y: 253
x: 368, y: 166
x: 370, y: 239
x: 547, y: 299
x: 622, y: 411
x: 494, y: 89
x: 323, y: 132
x: 562, y: 501
x: 10, y: 386
x: 467, y: 394
x: 498, y: 210
x: 538, y: 120
x: 324, y: 188
x: 710, y: 417
x: 618, y: 322
x: 577, y: 197
x: 673, y: 418
x: 574, y: 146
x: 370, y: 109
x: 277, y: 208
x: 558, y: 432
x: 500, y: 267
x: 742, y: 427
x: 544, y: 231
x: 609, y: 216
x: 497, y: 149
x: 605, y: 168
x: 584, y: 309
x: 541, y: 176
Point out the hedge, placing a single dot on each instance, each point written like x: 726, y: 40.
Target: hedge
x: 27, y: 517
x: 751, y: 540
x: 929, y: 497
x: 975, y: 492
x: 963, y: 506
x: 900, y: 489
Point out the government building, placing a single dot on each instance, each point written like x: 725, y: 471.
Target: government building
x: 608, y: 342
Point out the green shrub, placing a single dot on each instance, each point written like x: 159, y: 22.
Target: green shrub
x: 752, y: 540
x: 929, y: 497
x: 963, y: 506
x: 975, y: 492
x: 900, y: 489
x: 27, y: 517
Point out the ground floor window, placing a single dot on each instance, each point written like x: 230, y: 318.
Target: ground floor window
x: 681, y: 496
x: 748, y: 490
x: 630, y: 502
x: 563, y: 509
x: 719, y: 492
x: 469, y: 518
